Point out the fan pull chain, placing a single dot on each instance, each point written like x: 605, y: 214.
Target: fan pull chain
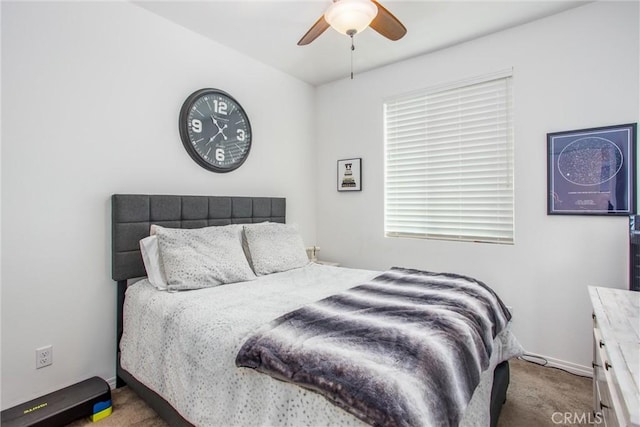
x: 352, y: 49
x: 351, y: 33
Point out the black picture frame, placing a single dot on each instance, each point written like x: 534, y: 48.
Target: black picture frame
x: 592, y: 171
x: 349, y: 175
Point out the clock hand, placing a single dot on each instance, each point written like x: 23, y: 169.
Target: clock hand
x: 221, y: 131
x: 215, y: 122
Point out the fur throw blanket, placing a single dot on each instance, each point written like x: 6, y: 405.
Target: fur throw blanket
x: 404, y: 349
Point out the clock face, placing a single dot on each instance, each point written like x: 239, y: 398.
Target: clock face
x: 215, y: 130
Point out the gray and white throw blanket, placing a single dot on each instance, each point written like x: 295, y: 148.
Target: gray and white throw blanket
x: 405, y: 349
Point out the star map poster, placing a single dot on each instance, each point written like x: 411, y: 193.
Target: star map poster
x: 592, y: 171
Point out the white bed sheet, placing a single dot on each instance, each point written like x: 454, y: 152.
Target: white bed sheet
x: 183, y: 346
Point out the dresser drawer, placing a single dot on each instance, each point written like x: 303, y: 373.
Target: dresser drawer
x: 605, y: 415
x: 603, y: 401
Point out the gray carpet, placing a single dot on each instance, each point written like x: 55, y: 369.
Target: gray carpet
x: 535, y: 394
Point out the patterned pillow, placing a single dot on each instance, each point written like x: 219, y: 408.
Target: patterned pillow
x: 202, y: 257
x: 275, y: 247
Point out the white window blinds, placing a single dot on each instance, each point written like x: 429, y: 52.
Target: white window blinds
x: 449, y: 162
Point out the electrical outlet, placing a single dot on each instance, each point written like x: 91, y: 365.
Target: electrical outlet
x: 44, y: 356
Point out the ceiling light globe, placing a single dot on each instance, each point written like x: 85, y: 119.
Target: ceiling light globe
x: 346, y: 16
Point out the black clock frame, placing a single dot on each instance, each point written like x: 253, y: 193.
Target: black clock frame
x: 184, y: 130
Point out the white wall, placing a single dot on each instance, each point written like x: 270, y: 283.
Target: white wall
x: 575, y: 70
x: 91, y: 93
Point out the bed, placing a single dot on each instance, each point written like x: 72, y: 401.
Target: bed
x: 189, y: 377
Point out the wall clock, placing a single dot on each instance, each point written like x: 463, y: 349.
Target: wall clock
x: 215, y: 130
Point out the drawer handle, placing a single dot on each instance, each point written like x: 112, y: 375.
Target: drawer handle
x: 593, y: 316
x: 601, y: 343
x: 607, y: 365
x: 594, y: 365
x: 603, y: 406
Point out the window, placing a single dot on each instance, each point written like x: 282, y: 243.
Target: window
x: 449, y: 162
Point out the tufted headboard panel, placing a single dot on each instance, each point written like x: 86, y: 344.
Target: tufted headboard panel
x: 133, y: 214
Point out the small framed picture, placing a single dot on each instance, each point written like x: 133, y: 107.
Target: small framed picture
x: 592, y: 171
x: 350, y: 175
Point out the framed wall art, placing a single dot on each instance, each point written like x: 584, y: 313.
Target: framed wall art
x: 350, y: 175
x: 592, y: 171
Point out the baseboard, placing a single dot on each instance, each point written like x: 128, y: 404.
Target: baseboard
x: 112, y: 383
x: 574, y: 368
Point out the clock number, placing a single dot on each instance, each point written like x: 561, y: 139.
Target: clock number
x: 196, y: 125
x: 220, y: 107
x: 219, y: 154
x: 241, y: 134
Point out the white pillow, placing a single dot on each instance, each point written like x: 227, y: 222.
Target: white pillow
x: 202, y: 257
x: 151, y: 258
x: 245, y: 245
x: 275, y: 247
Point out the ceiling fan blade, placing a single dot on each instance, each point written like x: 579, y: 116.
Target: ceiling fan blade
x: 318, y: 28
x: 387, y: 25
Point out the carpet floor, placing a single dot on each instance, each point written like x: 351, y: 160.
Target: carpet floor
x: 537, y: 397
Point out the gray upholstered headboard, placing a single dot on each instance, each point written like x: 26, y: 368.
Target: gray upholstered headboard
x: 133, y: 214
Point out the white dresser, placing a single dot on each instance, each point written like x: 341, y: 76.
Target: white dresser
x: 616, y: 356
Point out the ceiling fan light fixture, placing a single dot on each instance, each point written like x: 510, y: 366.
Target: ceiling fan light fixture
x: 350, y: 16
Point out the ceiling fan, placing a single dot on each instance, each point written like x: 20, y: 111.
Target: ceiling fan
x: 353, y: 16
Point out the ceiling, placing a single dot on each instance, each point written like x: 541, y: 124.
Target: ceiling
x: 268, y: 30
